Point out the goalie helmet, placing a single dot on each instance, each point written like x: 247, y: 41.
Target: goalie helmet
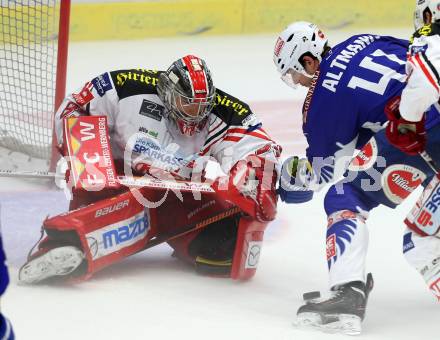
x: 297, y: 40
x: 187, y: 91
x: 425, y: 8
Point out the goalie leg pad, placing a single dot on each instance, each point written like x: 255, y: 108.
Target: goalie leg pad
x: 424, y: 217
x: 423, y: 253
x: 230, y: 247
x: 106, y: 231
x: 248, y: 248
x: 83, y: 198
x: 210, y: 249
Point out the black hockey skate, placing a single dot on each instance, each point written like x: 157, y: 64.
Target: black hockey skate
x: 342, y: 312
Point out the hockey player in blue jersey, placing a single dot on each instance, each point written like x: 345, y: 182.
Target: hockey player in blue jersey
x: 349, y: 88
x: 6, y: 332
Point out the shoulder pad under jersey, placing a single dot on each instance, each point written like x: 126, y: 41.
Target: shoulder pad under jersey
x: 136, y: 81
x: 232, y: 110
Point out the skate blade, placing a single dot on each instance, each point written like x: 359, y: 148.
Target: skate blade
x: 56, y: 262
x: 344, y: 323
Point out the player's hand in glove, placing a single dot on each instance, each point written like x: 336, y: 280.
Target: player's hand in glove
x: 296, y: 174
x: 409, y: 137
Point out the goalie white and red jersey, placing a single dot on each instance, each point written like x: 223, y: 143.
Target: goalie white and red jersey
x: 144, y: 137
x: 138, y: 128
x: 423, y: 69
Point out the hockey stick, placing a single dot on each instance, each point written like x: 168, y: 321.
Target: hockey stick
x: 30, y: 174
x: 192, y: 227
x: 131, y: 182
x: 428, y: 159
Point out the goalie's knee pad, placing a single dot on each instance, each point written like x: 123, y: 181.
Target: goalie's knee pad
x: 423, y: 253
x: 228, y: 248
x: 214, y: 247
x: 210, y: 249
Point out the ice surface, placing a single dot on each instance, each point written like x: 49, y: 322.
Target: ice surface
x: 152, y: 295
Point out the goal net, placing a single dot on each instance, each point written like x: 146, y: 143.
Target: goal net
x: 33, y: 53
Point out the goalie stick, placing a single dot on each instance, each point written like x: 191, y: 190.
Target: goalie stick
x: 131, y: 182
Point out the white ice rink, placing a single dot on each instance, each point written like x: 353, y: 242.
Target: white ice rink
x: 153, y: 296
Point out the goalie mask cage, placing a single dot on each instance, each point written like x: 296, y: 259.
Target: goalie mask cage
x: 33, y: 60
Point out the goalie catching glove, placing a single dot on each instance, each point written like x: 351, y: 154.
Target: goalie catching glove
x: 295, y: 177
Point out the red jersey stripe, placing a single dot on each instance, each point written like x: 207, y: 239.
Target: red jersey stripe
x: 426, y: 72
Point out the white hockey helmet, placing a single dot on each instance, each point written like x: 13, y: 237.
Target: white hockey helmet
x: 424, y: 7
x: 293, y: 43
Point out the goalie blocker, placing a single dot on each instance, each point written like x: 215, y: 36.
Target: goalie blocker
x: 210, y: 233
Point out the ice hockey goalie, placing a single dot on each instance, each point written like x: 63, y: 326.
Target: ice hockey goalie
x: 165, y: 126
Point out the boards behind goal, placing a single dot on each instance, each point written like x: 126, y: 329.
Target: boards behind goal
x: 33, y: 60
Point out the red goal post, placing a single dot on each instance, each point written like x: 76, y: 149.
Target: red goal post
x: 33, y: 64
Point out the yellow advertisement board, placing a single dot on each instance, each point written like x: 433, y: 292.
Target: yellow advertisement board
x: 165, y: 18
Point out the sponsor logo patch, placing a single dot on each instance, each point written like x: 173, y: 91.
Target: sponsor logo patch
x: 408, y: 244
x: 428, y: 219
x: 418, y: 49
x: 278, y: 46
x: 114, y: 237
x: 237, y: 106
x: 250, y: 120
x: 151, y: 110
x: 399, y: 181
x: 340, y: 235
x: 149, y: 132
x: 152, y: 153
x: 253, y: 254
x: 365, y: 158
x: 331, y: 246
x: 102, y: 84
x: 115, y: 207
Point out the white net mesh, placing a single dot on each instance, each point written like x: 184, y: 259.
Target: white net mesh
x: 28, y: 58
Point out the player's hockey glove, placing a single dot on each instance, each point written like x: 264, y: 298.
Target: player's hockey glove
x: 409, y: 137
x: 295, y: 176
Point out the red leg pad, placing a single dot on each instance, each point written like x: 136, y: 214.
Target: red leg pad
x: 248, y: 248
x: 108, y: 230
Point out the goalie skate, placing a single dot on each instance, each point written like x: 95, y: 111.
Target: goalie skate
x: 342, y: 312
x: 59, y: 261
